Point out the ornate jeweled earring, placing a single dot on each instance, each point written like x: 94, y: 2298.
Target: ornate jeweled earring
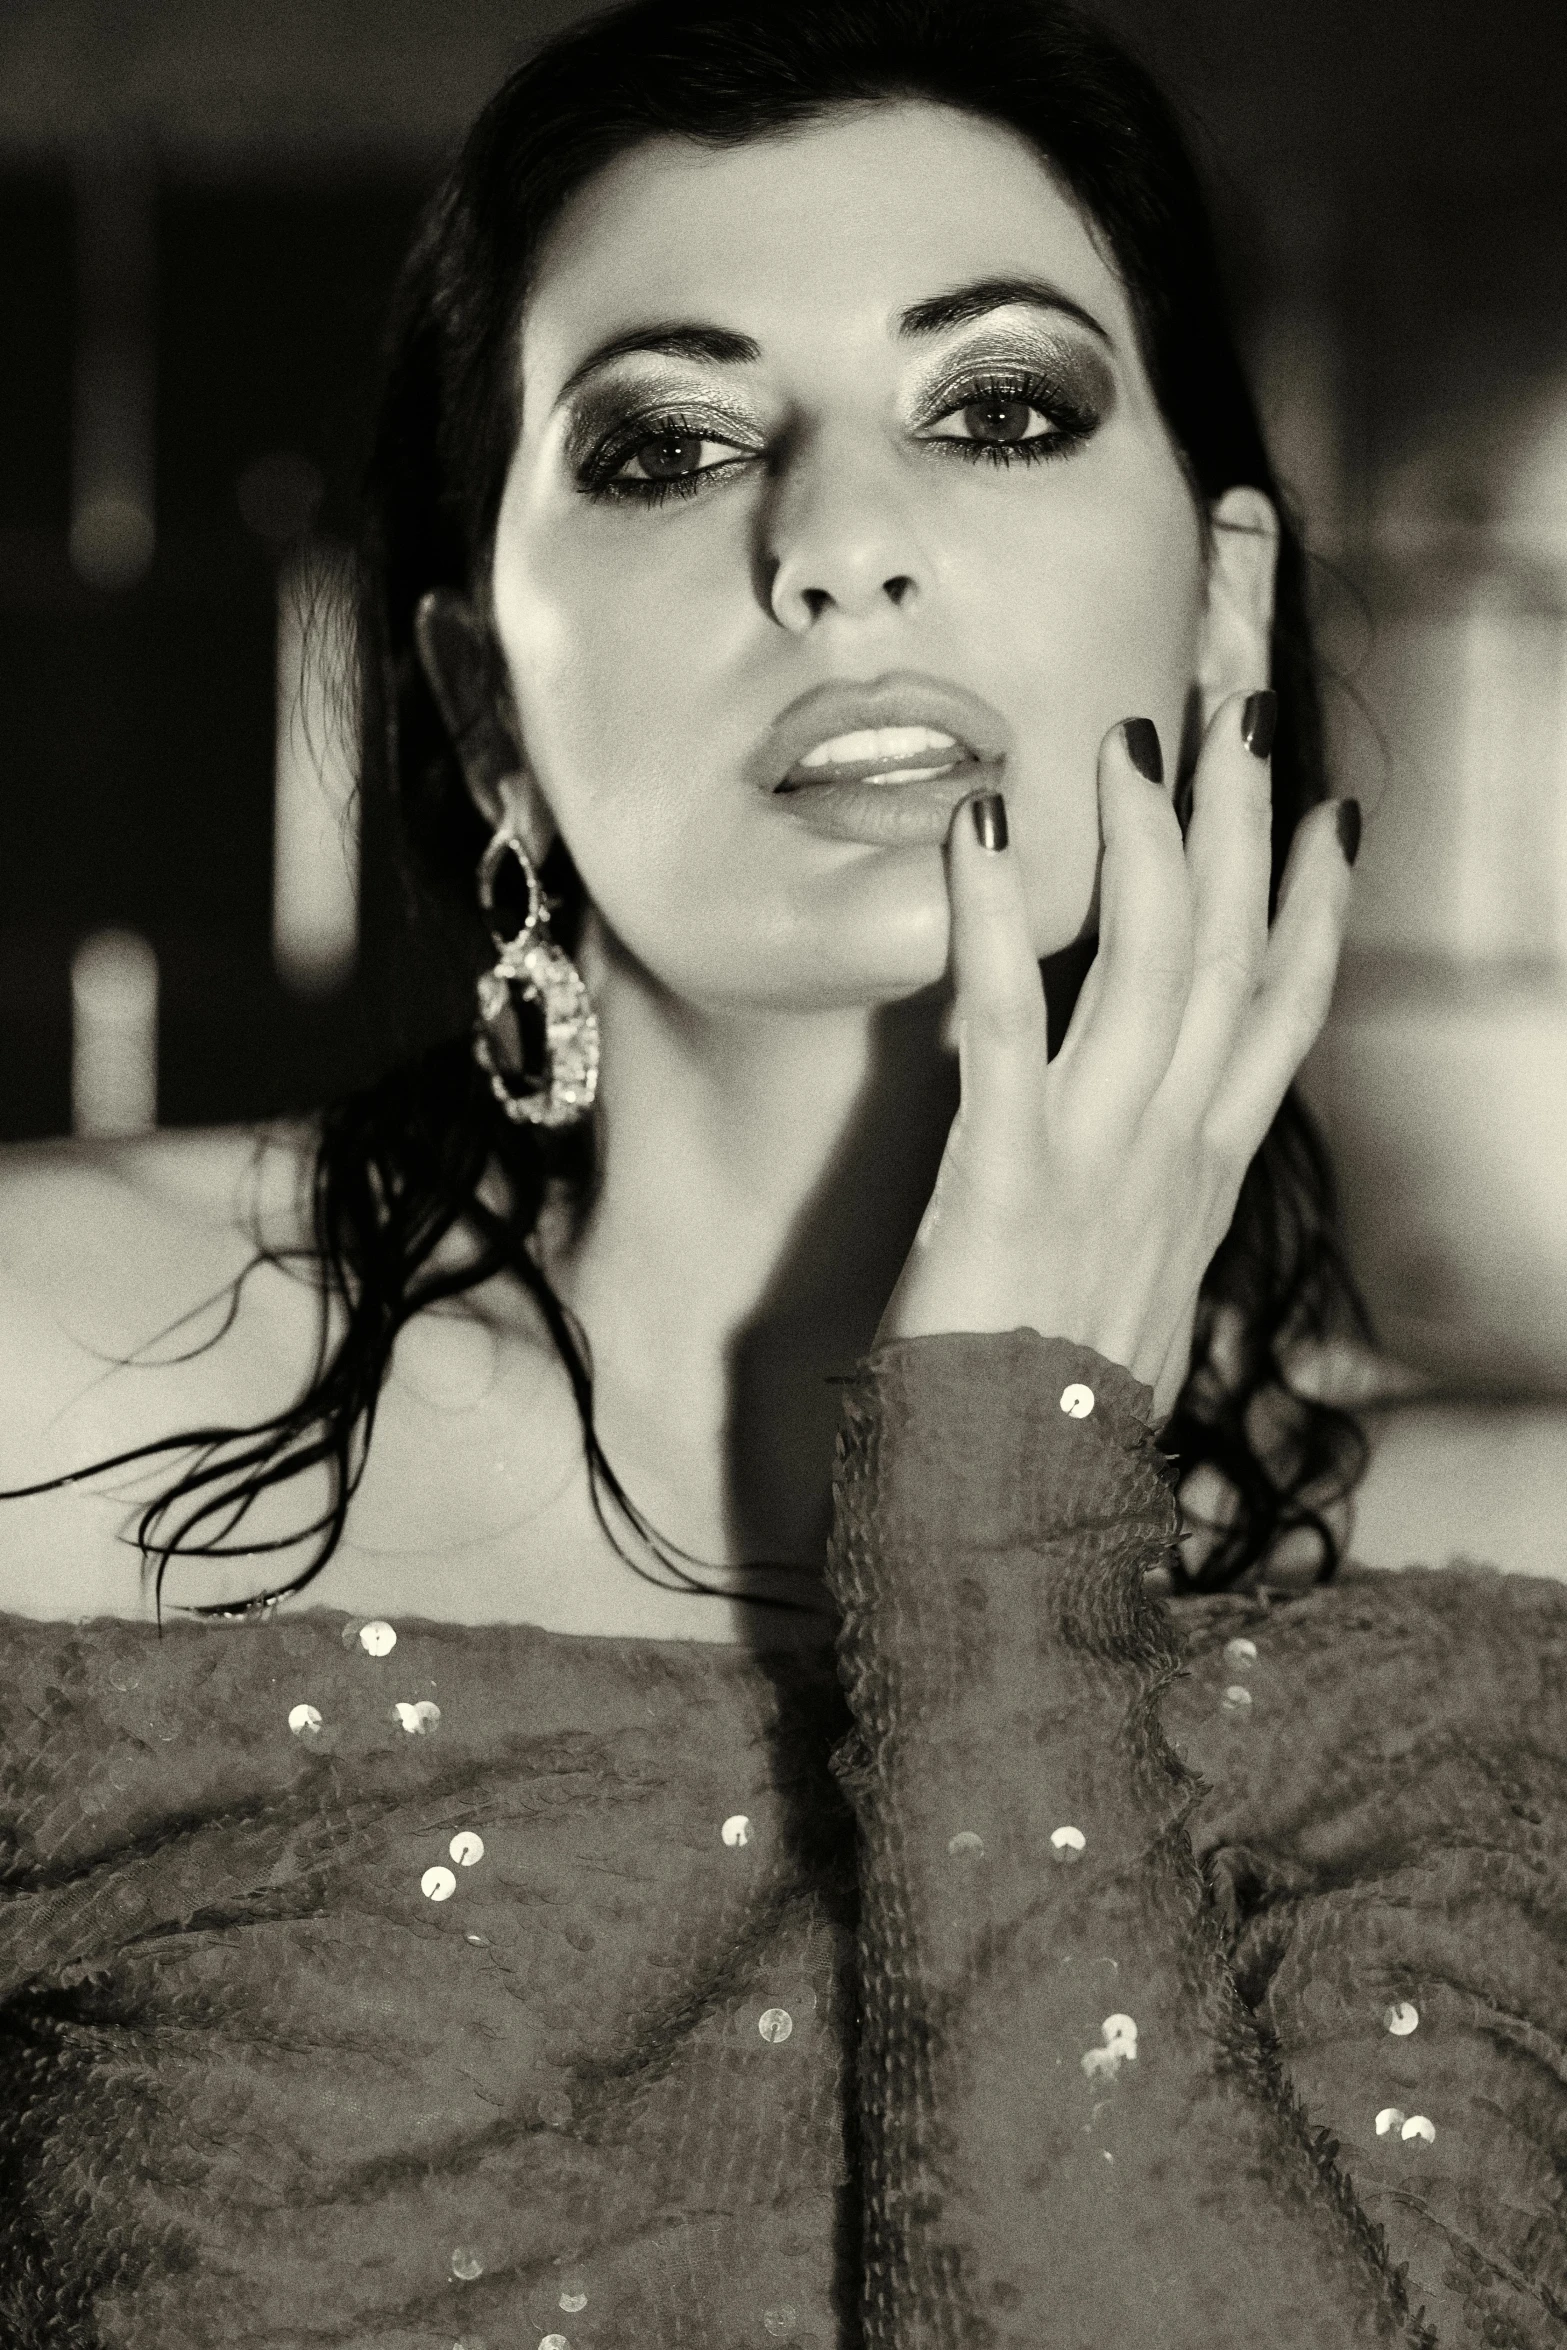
x: 532, y: 972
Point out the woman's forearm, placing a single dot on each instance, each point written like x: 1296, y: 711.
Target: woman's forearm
x: 1072, y: 2130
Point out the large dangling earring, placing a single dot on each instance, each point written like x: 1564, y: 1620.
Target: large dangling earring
x: 533, y: 975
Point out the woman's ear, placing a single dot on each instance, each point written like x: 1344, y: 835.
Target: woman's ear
x: 1237, y: 623
x: 463, y: 671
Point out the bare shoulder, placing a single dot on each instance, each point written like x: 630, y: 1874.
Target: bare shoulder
x: 102, y: 1245
x: 200, y: 1179
x: 118, y: 1325
x: 148, y: 1295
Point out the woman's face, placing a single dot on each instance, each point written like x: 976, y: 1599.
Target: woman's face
x: 897, y: 437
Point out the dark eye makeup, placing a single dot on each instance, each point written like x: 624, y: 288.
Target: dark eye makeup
x: 668, y: 445
x: 995, y: 412
x: 1016, y: 414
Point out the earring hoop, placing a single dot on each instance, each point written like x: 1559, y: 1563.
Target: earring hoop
x: 532, y: 969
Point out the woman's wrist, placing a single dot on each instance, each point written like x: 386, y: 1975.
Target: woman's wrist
x: 1002, y: 1438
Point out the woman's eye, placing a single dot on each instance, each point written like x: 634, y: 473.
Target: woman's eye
x: 666, y: 458
x: 1009, y: 420
x: 671, y: 457
x: 1000, y: 422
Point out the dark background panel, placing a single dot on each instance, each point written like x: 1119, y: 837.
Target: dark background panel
x: 137, y: 727
x: 35, y: 380
x: 270, y: 312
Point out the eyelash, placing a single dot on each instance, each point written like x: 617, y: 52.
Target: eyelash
x: 1073, y: 421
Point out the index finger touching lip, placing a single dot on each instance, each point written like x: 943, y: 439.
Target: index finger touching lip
x: 1000, y: 997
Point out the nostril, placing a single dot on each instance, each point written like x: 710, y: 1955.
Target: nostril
x: 898, y: 587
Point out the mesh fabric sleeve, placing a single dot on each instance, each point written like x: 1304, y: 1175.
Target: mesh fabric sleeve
x: 1072, y: 2134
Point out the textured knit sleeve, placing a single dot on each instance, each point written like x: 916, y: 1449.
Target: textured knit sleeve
x: 1073, y: 2135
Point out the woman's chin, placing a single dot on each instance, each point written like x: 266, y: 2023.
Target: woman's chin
x: 874, y: 968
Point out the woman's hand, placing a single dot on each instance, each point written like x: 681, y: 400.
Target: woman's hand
x: 1084, y: 1197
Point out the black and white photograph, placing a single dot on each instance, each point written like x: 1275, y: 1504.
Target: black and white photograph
x: 783, y: 1175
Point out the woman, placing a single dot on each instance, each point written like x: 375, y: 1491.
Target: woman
x: 823, y: 581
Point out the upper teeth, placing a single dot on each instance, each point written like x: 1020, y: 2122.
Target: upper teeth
x: 879, y: 742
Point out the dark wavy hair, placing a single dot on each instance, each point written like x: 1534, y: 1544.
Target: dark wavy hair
x: 424, y: 1157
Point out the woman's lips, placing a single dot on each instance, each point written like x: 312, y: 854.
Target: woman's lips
x: 916, y: 813
x: 883, y: 760
x: 893, y: 754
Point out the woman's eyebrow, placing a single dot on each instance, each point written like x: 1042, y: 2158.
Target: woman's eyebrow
x: 936, y: 314
x: 672, y: 341
x: 939, y: 312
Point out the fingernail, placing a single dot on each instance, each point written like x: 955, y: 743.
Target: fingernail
x: 1346, y: 815
x: 989, y: 811
x: 1141, y: 737
x: 1259, y: 722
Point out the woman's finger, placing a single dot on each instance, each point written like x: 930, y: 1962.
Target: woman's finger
x: 999, y: 995
x: 1286, y: 1014
x: 1121, y: 1036
x: 1229, y: 855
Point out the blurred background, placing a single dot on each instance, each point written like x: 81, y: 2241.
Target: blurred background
x: 202, y: 206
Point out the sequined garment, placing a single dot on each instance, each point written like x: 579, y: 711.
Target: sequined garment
x: 412, y: 1985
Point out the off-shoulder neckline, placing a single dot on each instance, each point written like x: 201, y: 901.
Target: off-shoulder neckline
x: 337, y: 1621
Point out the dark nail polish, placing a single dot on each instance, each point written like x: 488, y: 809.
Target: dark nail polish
x: 1259, y: 722
x: 990, y: 819
x: 1346, y: 815
x: 1141, y: 737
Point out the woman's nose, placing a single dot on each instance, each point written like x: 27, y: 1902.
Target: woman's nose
x: 837, y: 537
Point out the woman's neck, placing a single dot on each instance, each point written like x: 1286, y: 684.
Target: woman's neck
x: 760, y: 1180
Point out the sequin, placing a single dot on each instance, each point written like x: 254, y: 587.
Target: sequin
x: 775, y: 2024
x: 304, y: 1721
x: 573, y: 2297
x: 966, y: 1841
x: 1418, y: 2127
x: 1240, y: 1652
x: 1119, y: 2034
x: 1402, y: 2018
x: 781, y: 2320
x: 466, y: 1847
x: 419, y: 1717
x: 1067, y: 1844
x: 466, y: 2263
x: 1237, y: 1700
x: 554, y: 2108
x: 1077, y: 1401
x: 377, y: 1639
x: 553, y: 2342
x: 736, y: 1829
x: 437, y: 1884
x: 1390, y: 2118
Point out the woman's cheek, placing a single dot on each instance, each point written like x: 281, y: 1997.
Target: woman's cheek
x: 615, y: 650
x: 1101, y: 623
x: 591, y: 699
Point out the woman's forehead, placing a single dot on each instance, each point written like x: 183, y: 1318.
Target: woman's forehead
x: 851, y: 220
